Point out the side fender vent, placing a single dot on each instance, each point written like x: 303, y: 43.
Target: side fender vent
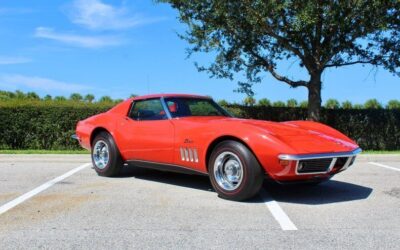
x: 189, y: 154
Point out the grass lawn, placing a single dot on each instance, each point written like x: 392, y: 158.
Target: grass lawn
x: 377, y: 152
x: 35, y: 151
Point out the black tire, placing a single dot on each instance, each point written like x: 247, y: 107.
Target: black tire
x: 114, y: 163
x: 252, y: 173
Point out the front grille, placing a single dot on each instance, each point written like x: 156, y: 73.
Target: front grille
x: 341, y: 161
x: 314, y: 165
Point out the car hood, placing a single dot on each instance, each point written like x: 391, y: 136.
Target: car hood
x: 301, y: 139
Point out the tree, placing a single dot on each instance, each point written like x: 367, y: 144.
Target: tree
x: 393, y: 104
x: 347, y: 105
x: 47, y: 98
x: 19, y: 94
x: 76, y: 97
x: 303, y: 104
x: 223, y: 102
x: 358, y: 106
x: 278, y: 104
x: 249, y: 101
x: 372, y: 104
x: 32, y: 96
x: 253, y: 37
x: 6, y: 95
x: 106, y: 99
x: 292, y: 103
x: 89, y: 98
x: 264, y: 102
x: 60, y: 98
x: 332, y: 104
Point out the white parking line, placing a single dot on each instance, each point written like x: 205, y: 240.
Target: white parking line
x: 39, y: 189
x: 278, y: 213
x: 384, y: 166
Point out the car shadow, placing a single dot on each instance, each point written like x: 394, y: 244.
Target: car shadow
x: 332, y: 191
x: 199, y: 182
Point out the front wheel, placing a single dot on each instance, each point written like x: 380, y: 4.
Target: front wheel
x: 234, y: 171
x: 106, y: 158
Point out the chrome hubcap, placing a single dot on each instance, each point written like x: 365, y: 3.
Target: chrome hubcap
x: 100, y: 154
x: 228, y: 171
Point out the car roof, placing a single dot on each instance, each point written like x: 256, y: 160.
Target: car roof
x: 143, y: 97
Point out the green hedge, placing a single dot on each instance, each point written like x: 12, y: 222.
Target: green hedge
x: 49, y: 125
x: 42, y: 125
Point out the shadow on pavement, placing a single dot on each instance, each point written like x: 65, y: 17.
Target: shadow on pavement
x: 328, y: 192
x: 184, y: 180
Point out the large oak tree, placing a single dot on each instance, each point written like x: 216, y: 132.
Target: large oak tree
x: 256, y: 36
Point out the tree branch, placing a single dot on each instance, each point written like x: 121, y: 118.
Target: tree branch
x: 348, y: 63
x: 275, y: 74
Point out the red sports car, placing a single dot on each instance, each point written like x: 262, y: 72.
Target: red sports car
x: 193, y: 134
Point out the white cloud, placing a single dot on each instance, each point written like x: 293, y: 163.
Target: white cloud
x: 38, y: 83
x: 13, y: 60
x: 78, y: 40
x: 96, y: 15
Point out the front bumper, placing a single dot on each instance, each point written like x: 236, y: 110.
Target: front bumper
x: 319, y: 156
x: 320, y: 164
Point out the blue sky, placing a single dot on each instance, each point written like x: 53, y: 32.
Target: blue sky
x: 118, y: 48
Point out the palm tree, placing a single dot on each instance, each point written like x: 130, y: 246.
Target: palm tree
x: 76, y: 97
x: 89, y: 98
x: 47, y: 98
x: 105, y: 99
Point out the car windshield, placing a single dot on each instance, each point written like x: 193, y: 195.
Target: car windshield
x: 182, y: 107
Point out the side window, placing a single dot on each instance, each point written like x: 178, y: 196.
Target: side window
x: 203, y: 108
x: 172, y: 107
x: 148, y: 110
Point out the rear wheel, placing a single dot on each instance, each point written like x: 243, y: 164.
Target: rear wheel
x: 234, y: 171
x: 106, y: 158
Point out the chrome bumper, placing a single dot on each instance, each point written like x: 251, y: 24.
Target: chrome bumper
x: 300, y: 159
x: 75, y: 137
x: 319, y: 156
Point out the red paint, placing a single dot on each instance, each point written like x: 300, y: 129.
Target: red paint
x: 161, y: 140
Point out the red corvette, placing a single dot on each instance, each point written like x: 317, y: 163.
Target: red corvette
x: 190, y: 133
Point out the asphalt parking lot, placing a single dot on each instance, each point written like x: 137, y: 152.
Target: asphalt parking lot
x: 45, y: 205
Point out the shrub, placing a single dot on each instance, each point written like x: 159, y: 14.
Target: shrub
x: 76, y: 97
x: 291, y: 103
x: 279, y: 104
x: 33, y: 124
x: 393, y: 104
x: 372, y: 104
x: 264, y: 102
x: 332, y: 104
x: 303, y: 104
x: 347, y: 105
x: 223, y: 102
x: 249, y: 101
x: 41, y: 124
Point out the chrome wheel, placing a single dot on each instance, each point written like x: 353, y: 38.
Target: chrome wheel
x: 101, y: 154
x: 228, y: 171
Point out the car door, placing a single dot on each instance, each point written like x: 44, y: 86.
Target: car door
x: 147, y: 133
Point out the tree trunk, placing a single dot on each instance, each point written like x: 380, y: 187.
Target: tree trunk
x: 314, y: 97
